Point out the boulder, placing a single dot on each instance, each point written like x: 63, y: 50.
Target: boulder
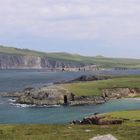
x: 104, y: 137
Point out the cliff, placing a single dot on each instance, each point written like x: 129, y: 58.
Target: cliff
x: 33, y: 62
x: 14, y: 58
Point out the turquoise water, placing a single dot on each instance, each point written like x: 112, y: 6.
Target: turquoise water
x: 12, y: 80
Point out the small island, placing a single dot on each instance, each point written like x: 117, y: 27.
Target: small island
x: 84, y: 90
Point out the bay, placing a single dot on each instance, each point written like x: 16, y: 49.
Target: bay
x: 13, y: 80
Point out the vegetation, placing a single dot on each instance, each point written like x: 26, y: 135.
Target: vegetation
x: 95, y: 87
x: 130, y: 115
x: 129, y: 130
x: 99, y: 60
x: 16, y: 51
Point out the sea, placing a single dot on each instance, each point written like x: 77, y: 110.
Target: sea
x: 14, y: 80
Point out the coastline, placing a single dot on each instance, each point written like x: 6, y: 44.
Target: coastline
x: 76, y: 112
x: 65, y: 92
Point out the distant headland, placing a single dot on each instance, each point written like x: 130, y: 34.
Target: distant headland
x: 14, y: 58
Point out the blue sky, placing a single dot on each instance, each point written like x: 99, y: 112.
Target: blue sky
x: 88, y: 27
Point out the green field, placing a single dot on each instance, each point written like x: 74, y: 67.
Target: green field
x: 129, y: 130
x: 131, y: 115
x: 95, y: 87
x: 104, y: 62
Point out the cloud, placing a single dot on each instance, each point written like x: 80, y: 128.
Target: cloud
x: 74, y: 19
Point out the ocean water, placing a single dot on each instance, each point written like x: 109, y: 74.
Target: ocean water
x: 13, y: 80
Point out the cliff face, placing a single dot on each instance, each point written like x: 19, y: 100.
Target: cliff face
x: 17, y: 61
x: 32, y: 62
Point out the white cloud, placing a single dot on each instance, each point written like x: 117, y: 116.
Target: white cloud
x: 74, y: 19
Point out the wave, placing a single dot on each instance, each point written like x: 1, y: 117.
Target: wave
x: 26, y: 105
x: 22, y: 105
x: 12, y: 100
x: 51, y: 106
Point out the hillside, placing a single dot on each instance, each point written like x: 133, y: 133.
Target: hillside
x: 64, y: 58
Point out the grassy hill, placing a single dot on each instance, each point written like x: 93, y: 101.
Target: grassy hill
x: 99, y: 60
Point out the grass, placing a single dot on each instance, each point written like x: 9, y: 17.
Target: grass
x: 127, y: 131
x: 73, y: 58
x: 16, y: 51
x: 95, y: 87
x: 131, y: 115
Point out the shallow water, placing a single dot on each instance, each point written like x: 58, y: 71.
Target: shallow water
x: 12, y: 80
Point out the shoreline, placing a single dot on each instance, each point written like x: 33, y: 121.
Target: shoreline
x: 52, y: 94
x: 54, y: 106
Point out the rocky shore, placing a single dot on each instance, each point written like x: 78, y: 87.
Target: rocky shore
x: 97, y: 120
x: 52, y: 95
x: 58, y: 95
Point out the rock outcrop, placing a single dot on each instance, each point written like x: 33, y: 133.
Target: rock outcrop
x: 57, y: 95
x: 98, y: 120
x: 120, y: 92
x: 85, y: 78
x: 91, y: 78
x: 87, y: 100
x: 52, y: 95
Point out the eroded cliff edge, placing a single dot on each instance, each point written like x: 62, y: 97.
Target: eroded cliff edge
x: 32, y: 62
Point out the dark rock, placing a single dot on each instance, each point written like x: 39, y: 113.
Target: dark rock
x: 76, y: 122
x: 86, y: 121
x: 90, y: 78
x: 28, y: 88
x: 111, y: 121
x: 120, y: 92
x: 100, y: 120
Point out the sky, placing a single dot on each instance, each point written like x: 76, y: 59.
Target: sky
x: 88, y: 27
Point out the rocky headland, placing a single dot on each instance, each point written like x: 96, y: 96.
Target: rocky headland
x: 58, y: 95
x: 52, y: 95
